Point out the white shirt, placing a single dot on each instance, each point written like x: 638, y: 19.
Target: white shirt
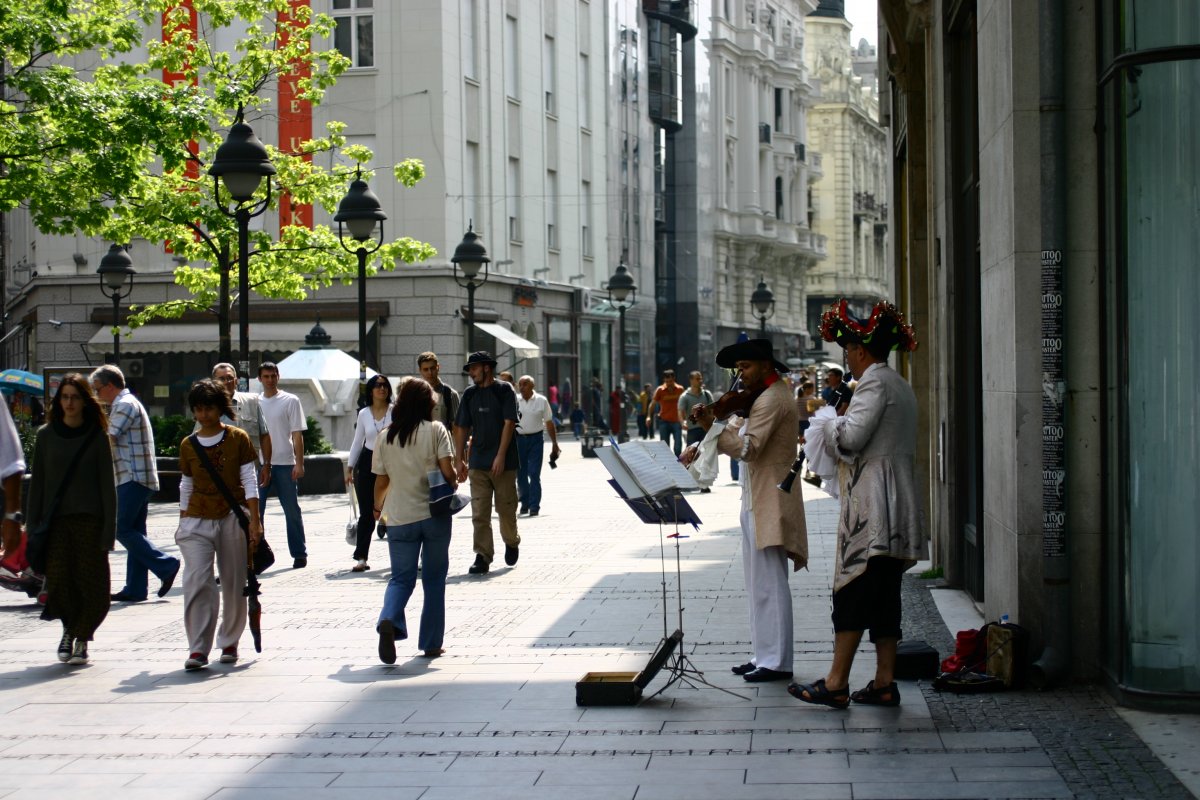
x: 367, y: 430
x: 284, y: 416
x: 533, y: 414
x: 12, y: 457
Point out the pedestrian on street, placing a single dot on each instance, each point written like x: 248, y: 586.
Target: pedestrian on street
x: 281, y: 476
x: 534, y: 420
x: 597, y: 397
x: 488, y: 414
x: 695, y: 395
x: 447, y: 398
x: 12, y: 471
x: 643, y: 412
x: 247, y: 415
x: 552, y: 397
x: 411, y: 447
x: 82, y: 512
x: 836, y: 392
x: 666, y: 400
x: 372, y: 420
x: 773, y: 524
x: 137, y: 480
x: 577, y: 420
x: 209, y: 527
x: 881, y: 532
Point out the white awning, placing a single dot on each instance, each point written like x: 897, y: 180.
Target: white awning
x: 522, y: 348
x: 201, y: 337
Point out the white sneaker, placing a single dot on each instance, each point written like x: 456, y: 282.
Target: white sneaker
x: 64, y: 647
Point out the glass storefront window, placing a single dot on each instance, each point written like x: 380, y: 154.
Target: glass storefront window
x: 1153, y: 214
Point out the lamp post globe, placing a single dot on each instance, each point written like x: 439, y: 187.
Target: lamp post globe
x: 470, y: 256
x: 763, y: 303
x: 241, y: 163
x: 360, y: 213
x: 621, y: 289
x: 115, y: 269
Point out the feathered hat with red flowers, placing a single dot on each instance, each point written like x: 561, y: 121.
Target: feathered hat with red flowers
x: 885, y: 324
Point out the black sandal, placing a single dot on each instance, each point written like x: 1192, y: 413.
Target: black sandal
x: 873, y: 696
x: 819, y: 694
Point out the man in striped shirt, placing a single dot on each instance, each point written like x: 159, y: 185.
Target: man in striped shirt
x: 137, y: 480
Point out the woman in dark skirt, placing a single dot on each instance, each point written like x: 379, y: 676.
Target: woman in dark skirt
x: 83, y: 526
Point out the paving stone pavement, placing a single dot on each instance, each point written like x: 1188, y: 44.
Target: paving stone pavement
x: 316, y: 714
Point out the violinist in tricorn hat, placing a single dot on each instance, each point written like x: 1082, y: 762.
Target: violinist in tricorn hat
x: 761, y: 433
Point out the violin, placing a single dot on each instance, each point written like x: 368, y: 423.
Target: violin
x: 736, y: 402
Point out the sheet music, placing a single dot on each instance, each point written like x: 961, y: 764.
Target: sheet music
x: 652, y: 466
x: 616, y: 467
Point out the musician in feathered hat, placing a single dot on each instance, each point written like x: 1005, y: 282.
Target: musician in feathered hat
x: 881, y: 530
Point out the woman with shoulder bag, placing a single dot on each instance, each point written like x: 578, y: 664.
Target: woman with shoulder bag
x: 209, y: 526
x: 73, y: 511
x: 373, y: 419
x: 411, y: 447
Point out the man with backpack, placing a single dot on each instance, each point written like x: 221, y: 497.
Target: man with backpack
x: 447, y: 398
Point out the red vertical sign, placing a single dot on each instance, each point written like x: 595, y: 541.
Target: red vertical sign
x: 169, y: 29
x: 295, y: 122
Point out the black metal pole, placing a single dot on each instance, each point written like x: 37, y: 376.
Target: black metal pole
x: 362, y: 312
x: 471, y: 314
x: 243, y: 223
x: 621, y: 372
x: 116, y: 327
x: 762, y: 326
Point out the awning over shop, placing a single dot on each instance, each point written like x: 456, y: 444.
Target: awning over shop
x: 522, y: 348
x: 201, y: 337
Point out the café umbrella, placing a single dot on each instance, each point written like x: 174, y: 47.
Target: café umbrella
x: 21, y: 381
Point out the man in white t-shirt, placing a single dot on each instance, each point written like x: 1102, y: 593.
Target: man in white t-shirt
x: 534, y: 418
x: 285, y: 422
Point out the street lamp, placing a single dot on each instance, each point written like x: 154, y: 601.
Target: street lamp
x: 115, y: 267
x: 469, y: 257
x: 620, y: 289
x: 360, y: 210
x: 763, y: 303
x: 241, y: 163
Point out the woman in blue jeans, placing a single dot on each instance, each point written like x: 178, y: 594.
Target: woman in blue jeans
x: 412, y: 446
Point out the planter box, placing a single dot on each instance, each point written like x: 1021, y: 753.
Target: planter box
x: 325, y: 474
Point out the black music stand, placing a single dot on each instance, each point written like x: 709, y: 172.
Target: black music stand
x: 630, y: 478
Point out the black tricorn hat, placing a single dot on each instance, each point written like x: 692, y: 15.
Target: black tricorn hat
x: 749, y: 350
x: 479, y: 357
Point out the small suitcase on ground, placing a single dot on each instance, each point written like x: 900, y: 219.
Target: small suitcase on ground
x: 916, y: 660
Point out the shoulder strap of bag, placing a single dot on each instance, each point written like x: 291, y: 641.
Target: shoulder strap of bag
x: 447, y: 411
x: 68, y: 474
x: 219, y: 482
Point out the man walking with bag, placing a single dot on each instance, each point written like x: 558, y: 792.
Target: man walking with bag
x: 281, y: 475
x: 488, y: 414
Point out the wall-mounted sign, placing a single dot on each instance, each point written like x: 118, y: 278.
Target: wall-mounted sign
x: 524, y: 296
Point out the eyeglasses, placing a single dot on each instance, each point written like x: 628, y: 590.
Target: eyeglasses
x: 228, y: 379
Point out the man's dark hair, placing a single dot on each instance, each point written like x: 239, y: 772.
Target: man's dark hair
x: 834, y: 371
x: 267, y: 366
x: 668, y: 373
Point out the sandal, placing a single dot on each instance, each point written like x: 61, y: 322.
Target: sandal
x: 819, y: 694
x: 874, y: 696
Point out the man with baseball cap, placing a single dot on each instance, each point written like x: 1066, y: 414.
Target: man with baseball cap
x: 488, y: 415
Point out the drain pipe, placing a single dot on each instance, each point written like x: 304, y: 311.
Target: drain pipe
x: 1054, y: 664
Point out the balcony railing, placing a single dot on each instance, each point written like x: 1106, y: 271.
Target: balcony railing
x: 764, y: 133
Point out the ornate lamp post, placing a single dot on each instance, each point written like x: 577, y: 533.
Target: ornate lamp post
x: 241, y: 163
x: 469, y: 257
x: 360, y: 210
x: 762, y: 301
x: 114, y: 269
x: 621, y: 289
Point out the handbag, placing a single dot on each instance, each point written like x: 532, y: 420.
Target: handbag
x: 443, y: 500
x: 37, y: 536
x: 264, y: 556
x: 352, y: 523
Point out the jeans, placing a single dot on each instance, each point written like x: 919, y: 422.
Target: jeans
x: 284, y: 487
x: 577, y: 429
x: 673, y: 430
x: 643, y: 428
x: 529, y: 470
x: 133, y: 500
x: 429, y: 540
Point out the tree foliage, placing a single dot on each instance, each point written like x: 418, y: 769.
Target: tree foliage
x: 110, y: 149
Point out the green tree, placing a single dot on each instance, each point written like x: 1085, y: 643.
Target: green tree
x: 171, y: 133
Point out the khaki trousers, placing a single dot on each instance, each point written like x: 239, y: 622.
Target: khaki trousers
x: 199, y: 540
x: 483, y: 486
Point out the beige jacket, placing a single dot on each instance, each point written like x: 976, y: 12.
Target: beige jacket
x: 768, y: 451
